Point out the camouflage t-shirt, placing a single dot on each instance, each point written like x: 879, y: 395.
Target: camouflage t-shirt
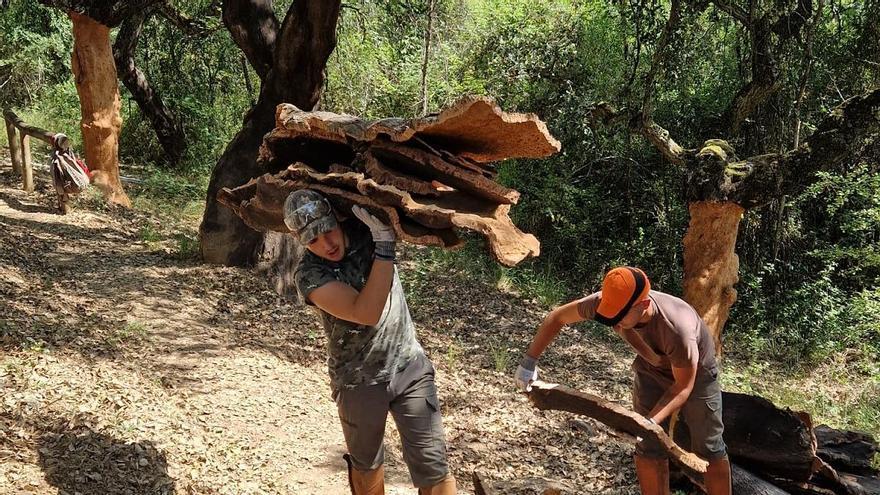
x: 360, y: 354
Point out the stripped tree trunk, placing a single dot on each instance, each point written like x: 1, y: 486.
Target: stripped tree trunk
x: 95, y: 76
x: 710, y: 263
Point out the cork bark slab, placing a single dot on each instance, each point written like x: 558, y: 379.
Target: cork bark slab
x: 434, y: 173
x: 387, y: 176
x: 425, y: 165
x: 507, y: 243
x: 260, y: 204
x: 474, y: 128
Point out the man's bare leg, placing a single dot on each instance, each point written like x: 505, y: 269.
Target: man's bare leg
x: 445, y: 487
x: 718, y: 477
x: 653, y: 475
x: 370, y: 482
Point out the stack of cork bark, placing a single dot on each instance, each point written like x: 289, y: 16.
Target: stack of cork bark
x: 429, y: 177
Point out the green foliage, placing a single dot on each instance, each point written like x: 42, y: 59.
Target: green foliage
x: 35, y: 47
x: 501, y: 356
x: 148, y: 233
x: 822, y: 300
x: 809, y: 269
x: 129, y: 333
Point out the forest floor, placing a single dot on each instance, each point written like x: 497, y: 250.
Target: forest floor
x: 129, y: 367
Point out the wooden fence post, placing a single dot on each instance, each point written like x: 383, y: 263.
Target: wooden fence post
x: 27, y: 167
x: 13, y: 146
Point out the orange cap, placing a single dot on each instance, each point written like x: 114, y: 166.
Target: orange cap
x: 622, y: 287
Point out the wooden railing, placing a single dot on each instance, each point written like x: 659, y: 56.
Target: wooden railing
x: 19, y: 134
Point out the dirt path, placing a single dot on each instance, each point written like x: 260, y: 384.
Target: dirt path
x: 127, y: 369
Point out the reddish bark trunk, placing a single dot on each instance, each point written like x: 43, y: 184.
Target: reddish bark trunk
x: 710, y: 264
x: 94, y: 72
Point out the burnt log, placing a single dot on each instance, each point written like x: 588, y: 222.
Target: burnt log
x: 845, y: 483
x: 849, y: 451
x: 744, y: 482
x: 766, y: 439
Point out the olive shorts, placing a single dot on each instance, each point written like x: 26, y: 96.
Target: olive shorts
x: 411, y: 397
x: 701, y: 413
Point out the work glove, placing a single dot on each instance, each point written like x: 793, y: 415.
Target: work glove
x: 649, y: 423
x: 526, y: 373
x: 383, y: 235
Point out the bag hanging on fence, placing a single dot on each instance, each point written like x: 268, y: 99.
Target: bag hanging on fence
x: 69, y: 173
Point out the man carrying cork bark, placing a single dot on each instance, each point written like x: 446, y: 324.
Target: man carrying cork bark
x: 376, y: 364
x: 675, y: 369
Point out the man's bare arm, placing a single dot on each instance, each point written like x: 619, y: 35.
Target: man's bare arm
x: 365, y: 307
x: 566, y: 314
x: 677, y: 394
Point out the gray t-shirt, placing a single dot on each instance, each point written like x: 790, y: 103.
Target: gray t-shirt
x: 675, y: 331
x: 360, y: 354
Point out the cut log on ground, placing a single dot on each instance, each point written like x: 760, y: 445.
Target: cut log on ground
x: 427, y: 177
x: 769, y: 441
x: 844, y: 483
x: 766, y: 439
x: 860, y: 485
x: 849, y: 451
x: 745, y: 483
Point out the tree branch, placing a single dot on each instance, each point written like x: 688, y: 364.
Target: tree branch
x: 765, y: 71
x: 660, y: 57
x: 168, y: 128
x: 790, y: 25
x: 306, y: 40
x: 659, y: 137
x: 108, y: 13
x: 190, y: 26
x: 254, y: 28
x: 850, y: 131
x: 765, y: 77
x: 733, y: 10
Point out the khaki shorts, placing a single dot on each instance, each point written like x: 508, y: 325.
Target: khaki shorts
x: 701, y: 413
x: 411, y: 397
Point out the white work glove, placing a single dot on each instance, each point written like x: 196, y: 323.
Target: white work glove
x: 383, y: 235
x: 380, y: 231
x: 526, y: 373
